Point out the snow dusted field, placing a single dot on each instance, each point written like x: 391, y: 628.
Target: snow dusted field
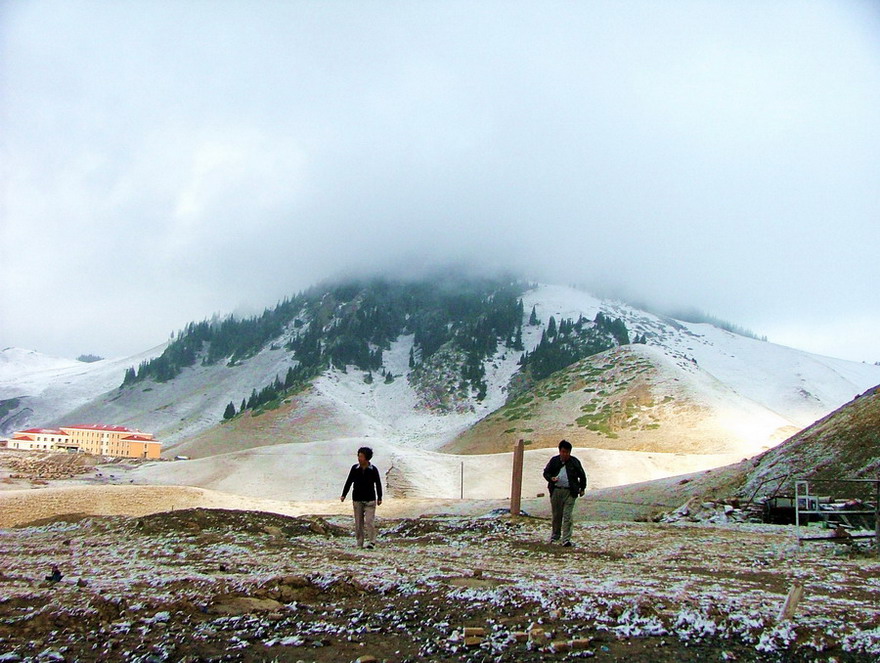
x: 251, y: 586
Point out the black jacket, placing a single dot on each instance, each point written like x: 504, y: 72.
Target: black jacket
x: 367, y: 484
x: 577, y: 478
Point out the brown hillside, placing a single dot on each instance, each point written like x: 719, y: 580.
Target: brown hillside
x: 298, y: 419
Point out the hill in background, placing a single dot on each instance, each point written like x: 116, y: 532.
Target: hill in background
x: 455, y: 366
x: 843, y: 445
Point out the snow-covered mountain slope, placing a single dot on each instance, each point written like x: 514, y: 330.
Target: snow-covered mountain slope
x: 342, y: 404
x: 635, y: 398
x: 192, y: 402
x: 753, y: 392
x: 38, y: 390
x: 18, y: 362
x: 799, y: 386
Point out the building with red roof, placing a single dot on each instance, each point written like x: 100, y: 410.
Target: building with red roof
x: 98, y: 439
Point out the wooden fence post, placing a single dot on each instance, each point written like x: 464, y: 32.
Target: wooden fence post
x: 791, y: 602
x: 516, y: 482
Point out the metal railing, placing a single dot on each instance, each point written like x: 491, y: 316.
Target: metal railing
x: 843, y: 514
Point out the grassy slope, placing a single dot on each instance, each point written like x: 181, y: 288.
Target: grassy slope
x: 297, y: 419
x: 613, y: 400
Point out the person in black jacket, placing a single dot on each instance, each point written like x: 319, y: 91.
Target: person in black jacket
x: 567, y: 481
x: 367, y: 494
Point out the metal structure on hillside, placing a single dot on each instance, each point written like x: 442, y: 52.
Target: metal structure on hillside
x: 850, y: 518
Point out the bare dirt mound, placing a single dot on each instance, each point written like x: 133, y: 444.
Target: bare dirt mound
x: 191, y: 521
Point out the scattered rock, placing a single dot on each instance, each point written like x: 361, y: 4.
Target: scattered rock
x: 559, y: 646
x: 242, y: 605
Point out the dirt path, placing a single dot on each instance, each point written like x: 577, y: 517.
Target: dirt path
x: 18, y: 507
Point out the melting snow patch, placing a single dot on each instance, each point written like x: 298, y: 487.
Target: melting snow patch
x: 633, y: 624
x: 864, y: 641
x: 692, y: 625
x: 158, y: 618
x: 776, y: 638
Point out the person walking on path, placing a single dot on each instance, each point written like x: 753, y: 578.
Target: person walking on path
x: 567, y: 481
x: 367, y: 494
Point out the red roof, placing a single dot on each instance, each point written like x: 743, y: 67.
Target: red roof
x: 43, y: 431
x: 139, y: 438
x: 104, y: 427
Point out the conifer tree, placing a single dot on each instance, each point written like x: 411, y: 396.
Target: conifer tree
x: 517, y: 341
x: 230, y: 411
x: 533, y: 318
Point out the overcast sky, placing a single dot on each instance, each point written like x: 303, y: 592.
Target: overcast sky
x: 164, y: 161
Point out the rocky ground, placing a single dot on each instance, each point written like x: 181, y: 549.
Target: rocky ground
x: 227, y: 585
x: 40, y: 468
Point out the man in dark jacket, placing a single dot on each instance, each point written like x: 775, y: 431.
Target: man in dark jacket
x: 567, y: 481
x: 367, y: 494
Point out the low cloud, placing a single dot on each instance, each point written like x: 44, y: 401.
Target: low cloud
x: 166, y: 163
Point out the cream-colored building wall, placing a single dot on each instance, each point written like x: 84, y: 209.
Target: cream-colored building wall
x: 30, y: 445
x: 40, y: 442
x: 141, y: 449
x: 91, y: 440
x: 107, y: 442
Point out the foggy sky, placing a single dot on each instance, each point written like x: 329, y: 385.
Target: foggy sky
x: 164, y: 161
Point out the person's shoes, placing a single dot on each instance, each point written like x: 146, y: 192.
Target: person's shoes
x: 369, y: 546
x: 553, y: 540
x: 567, y: 544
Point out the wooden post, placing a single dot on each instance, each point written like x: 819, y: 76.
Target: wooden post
x: 516, y: 482
x: 791, y: 602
